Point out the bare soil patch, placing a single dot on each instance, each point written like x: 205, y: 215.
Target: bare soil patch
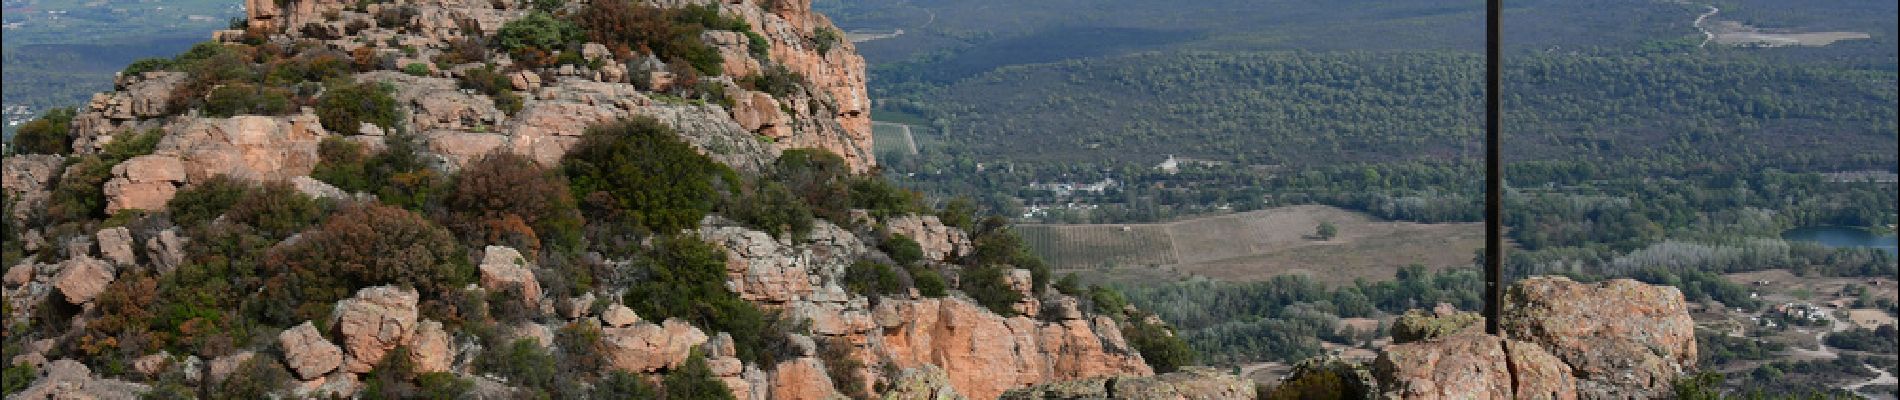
x: 1257, y: 245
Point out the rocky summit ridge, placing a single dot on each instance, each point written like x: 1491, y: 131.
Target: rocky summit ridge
x: 104, y: 243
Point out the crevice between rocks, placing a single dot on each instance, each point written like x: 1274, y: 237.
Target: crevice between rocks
x: 1510, y: 363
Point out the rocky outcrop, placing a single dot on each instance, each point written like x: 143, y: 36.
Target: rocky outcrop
x: 308, y: 353
x: 68, y: 379
x: 195, y: 149
x: 144, y: 183
x: 802, y: 378
x: 82, y: 278
x: 1566, y: 340
x: 987, y: 354
x: 165, y: 250
x: 939, y: 242
x: 503, y: 268
x: 434, y: 350
x: 28, y: 180
x: 375, y: 321
x: 646, y: 347
x: 776, y: 272
x: 138, y: 99
x: 1190, y: 383
x: 618, y: 316
x: 836, y: 72
x: 246, y: 146
x: 115, y: 245
x: 1472, y: 366
x: 1622, y: 338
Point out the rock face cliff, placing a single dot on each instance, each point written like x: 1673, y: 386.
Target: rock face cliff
x: 829, y: 111
x: 905, y: 344
x: 1563, y: 340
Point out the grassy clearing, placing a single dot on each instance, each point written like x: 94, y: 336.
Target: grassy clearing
x: 1255, y: 246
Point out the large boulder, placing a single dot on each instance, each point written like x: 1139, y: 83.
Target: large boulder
x: 82, y: 278
x: 246, y: 146
x: 1621, y: 338
x: 165, y: 250
x: 503, y: 268
x: 1472, y: 366
x: 375, y: 321
x: 144, y: 183
x: 940, y: 242
x: 308, y: 353
x: 802, y: 379
x: 115, y: 245
x: 646, y: 347
x: 434, y: 350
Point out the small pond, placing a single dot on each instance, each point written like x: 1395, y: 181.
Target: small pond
x: 1841, y: 236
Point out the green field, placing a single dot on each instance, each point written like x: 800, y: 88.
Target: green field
x: 890, y: 138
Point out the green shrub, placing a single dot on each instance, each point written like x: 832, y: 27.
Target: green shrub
x: 496, y: 186
x: 344, y: 109
x: 200, y: 52
x: 48, y: 134
x: 523, y: 362
x: 1159, y: 345
x: 246, y: 99
x: 442, y: 386
x: 757, y: 46
x: 683, y: 277
x: 989, y: 286
x: 824, y: 39
x: 959, y: 213
x: 17, y: 377
x: 341, y: 163
x: 929, y: 283
x: 882, y: 199
x: 398, y: 175
x: 639, y: 173
x: 79, y: 193
x: 274, y: 209
x: 872, y: 278
x: 670, y: 33
x: 358, y: 247
x: 903, y: 250
x: 205, y: 201
x: 778, y: 81
x: 622, y: 385
x: 259, y: 377
x: 771, y: 208
x: 694, y: 380
x: 1106, y: 300
x: 818, y: 178
x: 537, y: 31
x: 1001, y: 246
x: 145, y: 65
x: 1070, y: 284
x: 844, y: 369
x: 416, y: 69
x: 494, y: 84
x: 126, y: 145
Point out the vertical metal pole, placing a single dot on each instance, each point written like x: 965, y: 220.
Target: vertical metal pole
x: 1493, y: 171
